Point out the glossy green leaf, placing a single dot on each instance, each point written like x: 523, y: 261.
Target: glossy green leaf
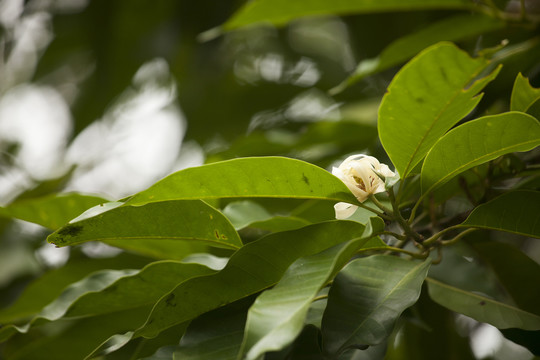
x: 523, y: 94
x: 277, y: 316
x: 279, y: 12
x: 165, y: 229
x: 514, y: 270
x: 254, y: 267
x: 366, y: 299
x: 51, y: 211
x: 449, y: 29
x: 517, y: 212
x: 477, y: 142
x: 481, y: 308
x: 272, y: 177
x: 428, y: 96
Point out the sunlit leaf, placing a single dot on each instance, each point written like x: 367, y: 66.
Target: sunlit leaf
x: 449, y: 29
x: 517, y: 212
x: 51, y: 211
x: 366, y: 299
x: 279, y: 12
x: 278, y: 315
x: 523, y: 94
x: 272, y: 177
x: 481, y: 308
x: 477, y: 142
x: 428, y: 96
x: 254, y: 267
x: 165, y: 229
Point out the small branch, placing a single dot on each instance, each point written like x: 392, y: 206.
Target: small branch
x: 458, y: 237
x: 396, y: 235
x: 394, y: 249
x: 436, y: 236
x: 381, y: 214
x: 320, y: 297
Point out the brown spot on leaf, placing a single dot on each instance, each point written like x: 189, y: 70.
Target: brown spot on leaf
x: 170, y: 300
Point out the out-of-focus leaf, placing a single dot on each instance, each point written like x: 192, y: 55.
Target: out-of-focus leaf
x: 428, y: 96
x: 254, y: 267
x: 272, y: 177
x: 477, y: 142
x: 164, y: 229
x: 366, y: 299
x: 481, y: 308
x: 50, y: 285
x: 277, y: 316
x: 434, y: 326
x: 280, y: 12
x: 76, y: 338
x: 336, y: 137
x: 528, y: 339
x: 51, y: 211
x: 516, y: 212
x: 516, y: 272
x: 523, y: 94
x: 111, y: 291
x: 450, y: 29
x: 247, y: 213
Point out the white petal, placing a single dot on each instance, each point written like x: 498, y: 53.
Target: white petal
x: 344, y: 210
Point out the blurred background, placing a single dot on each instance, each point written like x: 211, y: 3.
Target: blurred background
x: 106, y: 97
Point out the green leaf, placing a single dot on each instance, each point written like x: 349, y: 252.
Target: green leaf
x: 516, y: 212
x: 51, y: 211
x: 50, y: 285
x: 428, y: 96
x: 247, y: 213
x: 515, y: 271
x: 477, y: 142
x: 272, y: 177
x: 164, y: 229
x: 216, y: 334
x: 481, y: 308
x: 366, y: 299
x: 450, y: 29
x: 111, y: 291
x: 280, y: 12
x: 277, y: 316
x: 523, y: 94
x: 254, y: 267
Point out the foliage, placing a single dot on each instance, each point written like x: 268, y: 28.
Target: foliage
x: 242, y: 257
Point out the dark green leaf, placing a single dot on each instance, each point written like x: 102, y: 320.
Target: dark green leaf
x: 278, y: 315
x: 254, y: 267
x: 516, y: 272
x: 428, y: 96
x: 165, y: 229
x: 517, y: 212
x: 477, y: 142
x: 481, y: 308
x: 272, y: 177
x: 450, y: 29
x: 366, y: 299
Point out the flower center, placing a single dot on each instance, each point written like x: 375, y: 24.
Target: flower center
x: 359, y: 183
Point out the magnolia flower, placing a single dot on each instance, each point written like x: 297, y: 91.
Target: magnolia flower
x: 364, y: 176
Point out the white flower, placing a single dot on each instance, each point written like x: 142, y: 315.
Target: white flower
x: 362, y: 175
